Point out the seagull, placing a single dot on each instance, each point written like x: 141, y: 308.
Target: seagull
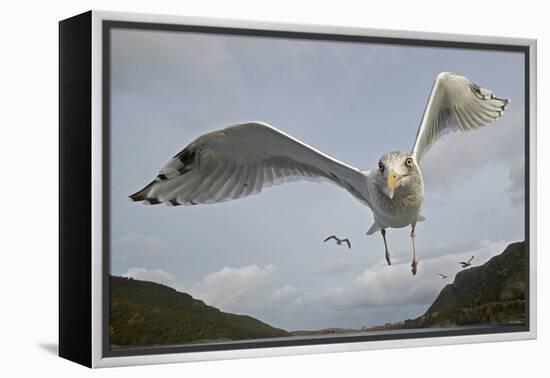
x: 466, y: 264
x: 444, y: 276
x: 338, y: 240
x: 243, y: 159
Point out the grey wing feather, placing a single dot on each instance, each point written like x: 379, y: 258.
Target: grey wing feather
x: 455, y: 104
x: 240, y: 161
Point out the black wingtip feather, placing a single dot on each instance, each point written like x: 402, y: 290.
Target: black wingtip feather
x: 174, y: 202
x: 142, y: 194
x: 152, y: 201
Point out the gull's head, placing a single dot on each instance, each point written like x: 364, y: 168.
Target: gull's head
x: 394, y: 170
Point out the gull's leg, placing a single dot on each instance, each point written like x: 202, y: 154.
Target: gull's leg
x: 386, y: 246
x: 414, y: 263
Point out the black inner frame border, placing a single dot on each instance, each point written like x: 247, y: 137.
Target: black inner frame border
x: 108, y: 25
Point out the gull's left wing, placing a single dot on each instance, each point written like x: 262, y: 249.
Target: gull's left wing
x: 455, y: 104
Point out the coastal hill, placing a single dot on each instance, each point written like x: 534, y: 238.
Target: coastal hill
x: 146, y: 313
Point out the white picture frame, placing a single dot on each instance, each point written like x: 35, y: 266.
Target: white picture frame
x: 83, y: 38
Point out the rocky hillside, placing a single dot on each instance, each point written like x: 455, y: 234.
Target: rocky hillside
x: 146, y: 313
x: 493, y: 293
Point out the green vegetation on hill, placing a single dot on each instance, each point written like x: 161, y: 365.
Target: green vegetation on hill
x: 492, y: 294
x: 147, y: 313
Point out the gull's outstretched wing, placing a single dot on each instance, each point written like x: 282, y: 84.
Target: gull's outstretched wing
x: 347, y: 242
x: 331, y: 237
x: 240, y: 161
x: 455, y: 104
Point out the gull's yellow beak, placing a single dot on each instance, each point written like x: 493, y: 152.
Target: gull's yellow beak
x: 393, y: 182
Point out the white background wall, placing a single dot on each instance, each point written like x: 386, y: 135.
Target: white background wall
x: 28, y: 194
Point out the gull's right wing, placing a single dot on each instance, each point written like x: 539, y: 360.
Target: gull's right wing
x: 240, y: 161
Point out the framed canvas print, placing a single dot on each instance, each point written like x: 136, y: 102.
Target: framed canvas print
x: 234, y: 189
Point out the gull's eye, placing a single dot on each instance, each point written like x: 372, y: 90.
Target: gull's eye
x: 409, y: 162
x: 381, y: 166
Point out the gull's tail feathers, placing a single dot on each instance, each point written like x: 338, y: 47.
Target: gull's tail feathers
x: 375, y: 227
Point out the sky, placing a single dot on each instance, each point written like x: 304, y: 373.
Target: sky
x: 264, y: 255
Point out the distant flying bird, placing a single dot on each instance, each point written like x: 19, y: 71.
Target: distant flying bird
x: 466, y: 264
x: 338, y: 240
x: 241, y: 160
x: 444, y: 276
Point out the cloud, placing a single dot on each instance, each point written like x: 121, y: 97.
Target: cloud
x: 236, y: 289
x: 285, y: 295
x: 153, y: 275
x: 381, y: 285
x: 458, y: 157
